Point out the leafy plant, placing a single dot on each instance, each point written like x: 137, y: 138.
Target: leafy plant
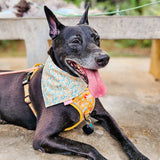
x: 4, y: 44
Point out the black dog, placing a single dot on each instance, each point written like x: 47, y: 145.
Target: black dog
x: 77, y: 44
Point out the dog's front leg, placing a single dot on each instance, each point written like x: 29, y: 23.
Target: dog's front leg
x: 112, y: 127
x: 53, y: 121
x: 60, y: 145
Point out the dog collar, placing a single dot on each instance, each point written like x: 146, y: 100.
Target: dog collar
x: 59, y: 86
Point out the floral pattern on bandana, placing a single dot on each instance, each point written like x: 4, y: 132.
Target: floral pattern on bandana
x: 59, y: 86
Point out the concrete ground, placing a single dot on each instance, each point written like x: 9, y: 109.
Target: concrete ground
x: 133, y: 99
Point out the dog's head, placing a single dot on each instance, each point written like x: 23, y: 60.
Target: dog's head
x: 76, y: 50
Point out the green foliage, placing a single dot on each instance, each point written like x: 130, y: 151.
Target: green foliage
x: 146, y: 43
x: 112, y: 5
x: 132, y: 43
x: 153, y: 10
x: 12, y: 48
x: 122, y: 48
x: 106, y: 6
x: 128, y: 4
x: 126, y: 43
x: 76, y: 2
x: 4, y: 44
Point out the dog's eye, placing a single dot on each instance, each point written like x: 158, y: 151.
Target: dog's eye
x: 76, y: 41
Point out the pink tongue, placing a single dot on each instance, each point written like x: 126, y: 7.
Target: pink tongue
x: 96, y: 86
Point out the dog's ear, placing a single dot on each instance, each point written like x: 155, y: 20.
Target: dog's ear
x: 54, y: 25
x: 84, y: 19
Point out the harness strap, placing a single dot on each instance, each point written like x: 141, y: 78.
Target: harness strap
x: 83, y: 108
x: 26, y: 87
x: 84, y: 104
x: 28, y: 100
x: 80, y: 118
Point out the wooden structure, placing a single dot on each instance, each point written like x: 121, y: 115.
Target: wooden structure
x: 155, y: 59
x: 34, y: 31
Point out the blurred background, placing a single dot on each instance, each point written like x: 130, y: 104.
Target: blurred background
x: 133, y: 94
x: 116, y: 48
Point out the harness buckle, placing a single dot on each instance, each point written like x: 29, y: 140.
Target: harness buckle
x: 27, y: 78
x: 27, y: 99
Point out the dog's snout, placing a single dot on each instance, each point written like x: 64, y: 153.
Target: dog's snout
x: 102, y: 60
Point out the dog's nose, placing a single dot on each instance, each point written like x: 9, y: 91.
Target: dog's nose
x: 102, y: 60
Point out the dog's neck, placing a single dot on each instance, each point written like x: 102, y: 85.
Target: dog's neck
x: 52, y: 55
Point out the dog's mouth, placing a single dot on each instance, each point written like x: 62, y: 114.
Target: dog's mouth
x: 95, y: 84
x: 78, y: 69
